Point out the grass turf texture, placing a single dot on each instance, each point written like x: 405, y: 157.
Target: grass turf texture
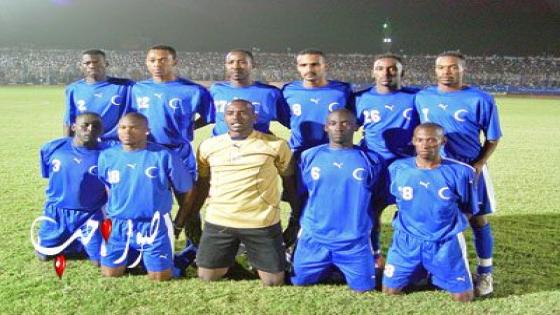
x: 527, y: 260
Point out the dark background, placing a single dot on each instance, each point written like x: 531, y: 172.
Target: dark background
x: 516, y: 28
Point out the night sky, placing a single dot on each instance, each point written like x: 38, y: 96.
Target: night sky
x: 515, y: 27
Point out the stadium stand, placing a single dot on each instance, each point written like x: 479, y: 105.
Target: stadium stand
x: 538, y: 75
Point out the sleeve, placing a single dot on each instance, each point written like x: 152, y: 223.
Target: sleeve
x: 212, y: 110
x: 177, y: 173
x: 204, y: 106
x: 101, y: 170
x: 379, y: 180
x: 359, y: 115
x: 202, y: 162
x: 44, y: 161
x: 131, y: 106
x: 390, y: 176
x: 468, y: 192
x: 301, y: 188
x: 489, y: 119
x: 70, y: 110
x: 128, y: 98
x: 350, y: 99
x: 282, y: 110
x: 284, y: 160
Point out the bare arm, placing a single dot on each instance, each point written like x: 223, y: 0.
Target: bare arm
x: 67, y: 131
x: 199, y: 123
x: 188, y: 214
x: 487, y: 149
x: 290, y: 194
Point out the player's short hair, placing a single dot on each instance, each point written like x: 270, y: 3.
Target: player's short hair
x: 246, y: 102
x: 167, y: 48
x: 452, y: 53
x: 311, y: 51
x: 242, y: 51
x: 137, y: 116
x: 345, y: 111
x: 388, y: 55
x: 430, y: 125
x: 92, y: 114
x: 94, y: 52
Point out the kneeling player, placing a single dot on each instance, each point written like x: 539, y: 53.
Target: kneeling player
x: 434, y: 197
x: 340, y: 183
x: 75, y: 195
x: 140, y: 176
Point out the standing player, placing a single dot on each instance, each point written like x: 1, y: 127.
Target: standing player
x: 267, y: 99
x: 387, y: 114
x: 140, y: 177
x: 241, y: 170
x: 171, y: 103
x: 464, y: 112
x: 434, y: 196
x: 311, y: 99
x: 340, y: 183
x: 96, y: 92
x: 75, y: 195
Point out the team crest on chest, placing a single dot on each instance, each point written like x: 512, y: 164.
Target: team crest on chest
x: 115, y: 100
x: 143, y: 102
x: 151, y: 172
x: 113, y: 176
x: 174, y: 103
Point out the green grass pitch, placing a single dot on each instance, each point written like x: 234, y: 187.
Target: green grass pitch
x: 526, y: 175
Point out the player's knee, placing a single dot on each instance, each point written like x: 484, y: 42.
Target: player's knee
x: 165, y: 275
x: 210, y: 275
x: 391, y: 291
x: 273, y: 282
x: 463, y: 296
x: 95, y: 262
x: 478, y: 221
x: 111, y: 272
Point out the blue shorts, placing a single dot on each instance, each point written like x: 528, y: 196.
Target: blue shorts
x: 313, y: 262
x: 67, y: 222
x: 485, y: 188
x: 154, y: 243
x: 185, y: 153
x: 446, y: 261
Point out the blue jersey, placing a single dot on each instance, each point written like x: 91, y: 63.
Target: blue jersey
x: 388, y: 121
x: 309, y: 108
x: 463, y: 114
x: 110, y: 99
x: 72, y: 174
x: 171, y: 108
x: 340, y: 185
x: 267, y: 100
x: 432, y: 203
x: 140, y: 181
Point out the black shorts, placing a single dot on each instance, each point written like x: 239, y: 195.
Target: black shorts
x: 219, y: 244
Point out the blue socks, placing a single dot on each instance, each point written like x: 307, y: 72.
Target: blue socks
x: 484, y: 244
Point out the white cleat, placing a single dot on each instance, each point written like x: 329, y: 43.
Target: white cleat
x: 483, y: 284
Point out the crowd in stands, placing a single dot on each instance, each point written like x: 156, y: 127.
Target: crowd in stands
x: 56, y: 66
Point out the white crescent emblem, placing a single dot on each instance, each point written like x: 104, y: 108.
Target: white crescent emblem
x: 442, y: 195
x: 331, y: 105
x: 91, y: 170
x: 149, y: 172
x: 173, y: 102
x: 457, y: 115
x: 406, y: 113
x: 114, y: 100
x: 356, y: 173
